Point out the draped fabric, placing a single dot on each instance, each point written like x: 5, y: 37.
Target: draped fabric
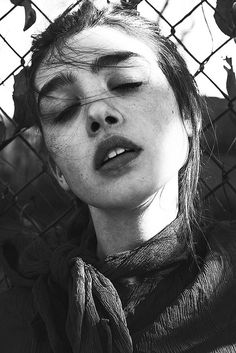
x: 167, y: 301
x: 90, y: 319
x: 74, y: 295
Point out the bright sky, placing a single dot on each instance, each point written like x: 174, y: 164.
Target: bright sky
x: 198, y: 39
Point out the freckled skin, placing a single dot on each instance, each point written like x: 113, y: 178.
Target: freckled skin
x: 148, y: 116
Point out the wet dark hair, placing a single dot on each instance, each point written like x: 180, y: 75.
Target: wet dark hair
x: 50, y: 45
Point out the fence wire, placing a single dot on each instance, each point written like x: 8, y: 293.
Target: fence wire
x: 30, y: 198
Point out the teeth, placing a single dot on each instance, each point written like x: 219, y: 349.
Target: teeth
x: 120, y: 150
x: 114, y: 153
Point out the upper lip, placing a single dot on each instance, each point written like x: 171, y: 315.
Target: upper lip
x: 110, y: 143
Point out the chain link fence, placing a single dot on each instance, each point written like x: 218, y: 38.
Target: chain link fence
x: 31, y: 202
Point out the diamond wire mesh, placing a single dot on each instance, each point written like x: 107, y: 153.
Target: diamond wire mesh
x: 31, y: 199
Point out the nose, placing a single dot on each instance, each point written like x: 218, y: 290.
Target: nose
x: 101, y: 116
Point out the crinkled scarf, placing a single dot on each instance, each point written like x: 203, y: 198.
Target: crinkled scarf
x: 75, y: 296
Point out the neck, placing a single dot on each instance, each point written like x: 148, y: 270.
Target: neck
x: 119, y: 230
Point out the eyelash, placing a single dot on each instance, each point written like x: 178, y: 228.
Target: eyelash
x: 127, y: 86
x: 67, y: 113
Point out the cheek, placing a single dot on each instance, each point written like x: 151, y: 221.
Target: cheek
x: 165, y: 115
x: 164, y: 126
x: 156, y: 106
x: 57, y: 138
x: 67, y: 148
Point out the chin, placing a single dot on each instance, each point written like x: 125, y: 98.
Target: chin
x: 114, y: 204
x: 124, y: 200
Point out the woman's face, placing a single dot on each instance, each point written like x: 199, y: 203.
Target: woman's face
x: 111, y: 124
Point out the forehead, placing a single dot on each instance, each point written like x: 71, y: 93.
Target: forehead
x: 87, y: 45
x: 106, y: 38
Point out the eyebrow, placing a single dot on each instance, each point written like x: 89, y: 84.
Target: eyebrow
x: 64, y: 79
x: 112, y: 59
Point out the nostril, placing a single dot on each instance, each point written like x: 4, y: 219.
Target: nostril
x: 111, y: 120
x: 95, y: 126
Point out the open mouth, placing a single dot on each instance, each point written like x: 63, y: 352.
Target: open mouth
x: 114, y: 153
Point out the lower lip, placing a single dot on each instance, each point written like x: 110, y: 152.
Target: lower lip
x: 119, y: 164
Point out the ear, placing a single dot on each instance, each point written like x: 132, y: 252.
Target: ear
x: 188, y: 127
x: 56, y: 172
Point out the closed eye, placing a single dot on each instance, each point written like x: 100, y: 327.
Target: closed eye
x: 127, y: 86
x: 68, y: 112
